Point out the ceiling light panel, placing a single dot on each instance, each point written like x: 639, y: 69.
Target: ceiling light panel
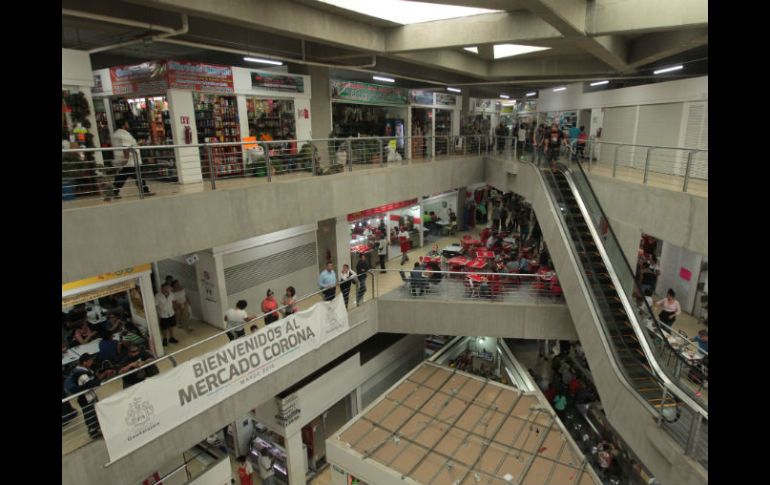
x: 475, y: 50
x: 510, y: 50
x: 406, y: 12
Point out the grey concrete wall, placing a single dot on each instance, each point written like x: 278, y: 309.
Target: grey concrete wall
x: 86, y: 464
x: 626, y: 412
x: 134, y: 232
x: 676, y: 217
x: 475, y: 318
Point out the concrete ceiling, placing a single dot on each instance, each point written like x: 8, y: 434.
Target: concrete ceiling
x: 589, y: 39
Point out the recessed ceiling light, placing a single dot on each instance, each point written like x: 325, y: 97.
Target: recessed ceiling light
x: 407, y: 12
x: 505, y: 96
x: 599, y: 83
x: 668, y: 69
x: 508, y: 50
x: 475, y: 50
x: 531, y: 94
x: 263, y: 61
x: 384, y: 79
x: 454, y: 90
x: 556, y: 90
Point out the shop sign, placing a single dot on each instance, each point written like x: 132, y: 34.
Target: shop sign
x: 446, y: 99
x: 98, y: 88
x: 197, y: 76
x: 147, y: 77
x: 288, y: 412
x: 105, y: 277
x: 132, y: 418
x: 685, y: 273
x: 417, y: 96
x: 368, y: 93
x: 507, y: 110
x: 380, y: 210
x: 277, y: 82
x: 527, y: 107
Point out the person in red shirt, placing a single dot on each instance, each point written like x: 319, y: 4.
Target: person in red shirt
x: 581, y: 143
x: 245, y: 471
x: 574, y: 386
x: 270, y: 307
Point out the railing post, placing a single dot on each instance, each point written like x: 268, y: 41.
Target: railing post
x: 268, y: 164
x: 314, y: 156
x: 591, y: 155
x: 350, y: 155
x: 687, y: 172
x: 382, y: 160
x: 647, y: 165
x: 615, y: 161
x: 515, y: 142
x: 465, y: 144
x: 692, y: 435
x: 212, y: 173
x: 138, y: 170
x: 479, y: 143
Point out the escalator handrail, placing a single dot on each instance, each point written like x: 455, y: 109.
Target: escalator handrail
x: 649, y: 354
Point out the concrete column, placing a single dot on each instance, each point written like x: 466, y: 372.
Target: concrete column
x: 243, y: 115
x: 460, y: 211
x: 342, y: 229
x: 326, y: 239
x: 150, y: 313
x: 320, y: 110
x: 295, y: 461
x: 210, y: 274
x: 188, y: 161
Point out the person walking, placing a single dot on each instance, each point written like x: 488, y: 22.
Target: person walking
x: 671, y: 308
x: 347, y: 278
x: 382, y: 251
x: 362, y: 269
x: 235, y: 318
x: 553, y: 143
x: 245, y: 471
x: 164, y: 303
x: 125, y: 160
x: 495, y: 216
x: 522, y: 139
x: 181, y: 306
x: 327, y: 281
x: 538, y: 142
x: 270, y: 307
x: 403, y: 239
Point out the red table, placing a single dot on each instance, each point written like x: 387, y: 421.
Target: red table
x: 485, y: 253
x: 457, y: 261
x: 476, y: 264
x: 361, y: 249
x: 430, y: 259
x: 476, y: 277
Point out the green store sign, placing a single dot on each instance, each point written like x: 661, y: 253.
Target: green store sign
x: 369, y: 93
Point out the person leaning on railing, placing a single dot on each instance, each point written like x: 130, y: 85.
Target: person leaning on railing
x: 235, y: 317
x: 327, y: 281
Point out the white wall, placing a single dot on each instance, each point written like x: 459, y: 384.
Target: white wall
x: 188, y: 162
x: 672, y: 258
x: 435, y: 205
x: 76, y: 68
x: 211, y: 288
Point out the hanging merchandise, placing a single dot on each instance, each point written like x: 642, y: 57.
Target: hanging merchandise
x: 216, y: 118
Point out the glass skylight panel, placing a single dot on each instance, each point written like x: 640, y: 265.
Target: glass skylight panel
x: 404, y: 12
x: 509, y: 50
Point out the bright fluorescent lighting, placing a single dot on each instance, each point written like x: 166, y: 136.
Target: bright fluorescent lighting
x: 454, y: 90
x: 384, y: 79
x: 668, y: 69
x: 508, y: 50
x: 556, y: 90
x: 599, y: 83
x: 475, y: 50
x: 505, y: 96
x: 263, y: 61
x: 531, y: 94
x: 406, y: 12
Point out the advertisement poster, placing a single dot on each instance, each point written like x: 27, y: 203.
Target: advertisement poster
x: 277, y: 82
x: 145, y: 411
x: 197, y: 76
x: 369, y: 93
x: 417, y: 96
x: 446, y: 99
x: 381, y: 209
x: 527, y: 107
x: 145, y: 78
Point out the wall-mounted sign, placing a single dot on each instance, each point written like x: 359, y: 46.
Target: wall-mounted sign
x: 197, y: 76
x: 185, y: 120
x: 445, y: 99
x: 147, y: 78
x: 369, y: 93
x: 526, y: 106
x: 277, y: 82
x: 288, y: 410
x: 98, y: 87
x: 105, y: 277
x: 685, y: 273
x: 417, y: 96
x: 381, y: 209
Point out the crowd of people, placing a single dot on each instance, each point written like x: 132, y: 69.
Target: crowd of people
x: 544, y: 143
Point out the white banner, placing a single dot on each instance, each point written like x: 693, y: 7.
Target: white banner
x: 141, y: 413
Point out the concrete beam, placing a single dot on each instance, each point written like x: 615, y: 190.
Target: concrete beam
x: 633, y: 16
x: 510, y: 27
x: 610, y: 49
x: 567, y: 16
x: 653, y: 47
x: 447, y: 59
x: 547, y: 66
x: 490, y: 4
x: 467, y: 317
x: 227, y: 215
x: 283, y: 17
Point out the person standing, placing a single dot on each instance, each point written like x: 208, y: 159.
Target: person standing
x: 125, y: 160
x: 574, y: 132
x: 181, y: 306
x: 347, y: 277
x: 245, y: 471
x: 522, y: 138
x: 84, y: 378
x: 581, y: 143
x: 362, y: 269
x: 270, y: 307
x: 538, y: 140
x: 235, y: 317
x: 164, y: 303
x: 382, y: 250
x: 671, y: 308
x: 495, y: 216
x: 553, y: 144
x: 289, y: 302
x: 266, y: 472
x: 327, y: 281
x: 403, y: 239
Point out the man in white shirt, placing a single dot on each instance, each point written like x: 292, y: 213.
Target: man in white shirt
x: 124, y: 160
x: 235, y: 317
x: 266, y: 472
x: 181, y: 306
x: 164, y: 303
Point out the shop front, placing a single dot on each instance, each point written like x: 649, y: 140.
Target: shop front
x: 445, y: 112
x: 368, y: 225
x: 439, y: 208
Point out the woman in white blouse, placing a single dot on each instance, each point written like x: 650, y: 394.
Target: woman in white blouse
x: 671, y: 308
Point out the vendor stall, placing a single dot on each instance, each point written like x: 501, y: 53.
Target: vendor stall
x: 367, y: 226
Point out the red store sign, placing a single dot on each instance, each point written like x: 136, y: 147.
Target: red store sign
x: 380, y: 210
x: 155, y: 77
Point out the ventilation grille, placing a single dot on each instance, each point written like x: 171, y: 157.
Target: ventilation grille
x: 180, y: 271
x: 260, y: 271
x: 696, y: 136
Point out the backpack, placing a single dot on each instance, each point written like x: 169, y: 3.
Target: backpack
x: 71, y: 382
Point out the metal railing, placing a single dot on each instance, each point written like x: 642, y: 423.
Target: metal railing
x: 112, y: 172
x: 481, y: 286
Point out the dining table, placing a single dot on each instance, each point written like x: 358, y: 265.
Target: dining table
x: 476, y: 264
x: 452, y: 250
x: 485, y: 253
x: 430, y: 259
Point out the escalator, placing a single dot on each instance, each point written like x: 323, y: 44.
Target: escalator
x: 638, y: 374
